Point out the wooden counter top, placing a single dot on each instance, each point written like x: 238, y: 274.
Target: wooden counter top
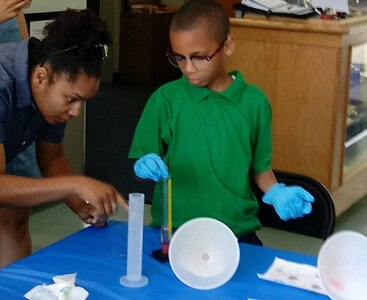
x: 338, y: 27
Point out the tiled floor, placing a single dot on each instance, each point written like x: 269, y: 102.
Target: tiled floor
x: 55, y: 222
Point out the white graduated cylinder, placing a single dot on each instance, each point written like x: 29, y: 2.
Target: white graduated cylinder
x: 134, y: 277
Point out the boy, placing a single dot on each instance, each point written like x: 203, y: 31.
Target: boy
x: 213, y: 131
x: 43, y: 84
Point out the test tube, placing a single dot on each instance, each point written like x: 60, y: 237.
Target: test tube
x: 166, y: 223
x: 134, y: 278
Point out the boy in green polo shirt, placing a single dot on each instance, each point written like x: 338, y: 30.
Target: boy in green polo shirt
x: 213, y: 131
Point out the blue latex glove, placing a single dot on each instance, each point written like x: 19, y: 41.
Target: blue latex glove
x: 151, y: 166
x: 290, y: 202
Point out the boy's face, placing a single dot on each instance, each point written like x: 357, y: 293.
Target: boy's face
x: 62, y: 99
x: 193, y: 43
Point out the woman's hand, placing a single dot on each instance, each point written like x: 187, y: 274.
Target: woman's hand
x: 11, y: 8
x: 100, y: 200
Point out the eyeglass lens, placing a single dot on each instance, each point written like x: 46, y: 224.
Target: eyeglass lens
x: 179, y: 61
x: 199, y: 62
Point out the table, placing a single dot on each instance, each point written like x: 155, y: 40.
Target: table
x: 98, y: 256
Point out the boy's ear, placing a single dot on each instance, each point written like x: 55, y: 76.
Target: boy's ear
x: 229, y: 46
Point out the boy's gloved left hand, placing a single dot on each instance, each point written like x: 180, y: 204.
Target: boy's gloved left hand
x: 290, y: 202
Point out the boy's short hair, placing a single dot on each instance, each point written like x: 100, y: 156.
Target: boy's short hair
x: 208, y: 13
x: 71, y: 44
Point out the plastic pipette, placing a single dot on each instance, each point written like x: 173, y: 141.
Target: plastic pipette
x: 134, y: 277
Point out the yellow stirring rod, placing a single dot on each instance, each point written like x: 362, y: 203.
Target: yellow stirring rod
x: 169, y: 223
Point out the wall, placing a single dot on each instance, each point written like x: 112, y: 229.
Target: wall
x: 41, y: 6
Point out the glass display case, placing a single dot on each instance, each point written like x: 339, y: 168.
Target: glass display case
x: 356, y: 137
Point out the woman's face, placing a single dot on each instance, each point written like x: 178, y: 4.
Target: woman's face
x: 61, y: 99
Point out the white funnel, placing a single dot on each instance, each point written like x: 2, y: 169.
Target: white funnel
x: 342, y: 263
x: 204, y: 253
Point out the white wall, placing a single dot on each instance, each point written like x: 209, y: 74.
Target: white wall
x: 41, y: 6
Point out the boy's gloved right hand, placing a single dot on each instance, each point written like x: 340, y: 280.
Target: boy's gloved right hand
x: 151, y: 166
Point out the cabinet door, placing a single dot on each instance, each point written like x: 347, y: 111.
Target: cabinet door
x: 135, y: 63
x: 136, y: 29
x: 144, y: 39
x: 228, y: 4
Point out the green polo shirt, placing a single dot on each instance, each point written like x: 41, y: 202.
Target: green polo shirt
x: 211, y: 141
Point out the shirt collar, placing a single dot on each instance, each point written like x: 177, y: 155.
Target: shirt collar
x: 236, y: 88
x: 231, y: 93
x: 196, y: 92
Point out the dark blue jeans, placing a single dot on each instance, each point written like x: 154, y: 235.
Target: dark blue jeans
x: 25, y: 164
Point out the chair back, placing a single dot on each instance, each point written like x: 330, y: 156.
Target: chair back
x: 319, y: 223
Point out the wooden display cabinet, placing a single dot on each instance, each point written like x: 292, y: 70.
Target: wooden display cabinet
x: 303, y: 66
x: 144, y: 40
x: 228, y: 6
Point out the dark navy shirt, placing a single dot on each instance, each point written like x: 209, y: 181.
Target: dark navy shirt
x: 20, y: 121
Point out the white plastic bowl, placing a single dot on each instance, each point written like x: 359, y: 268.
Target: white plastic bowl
x: 342, y: 263
x: 204, y: 253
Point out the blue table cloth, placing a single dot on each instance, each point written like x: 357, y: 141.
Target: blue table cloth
x: 98, y: 256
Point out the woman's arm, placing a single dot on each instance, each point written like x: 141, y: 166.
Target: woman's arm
x: 23, y: 29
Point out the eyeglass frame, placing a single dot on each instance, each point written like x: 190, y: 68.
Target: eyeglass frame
x: 170, y: 53
x: 101, y: 51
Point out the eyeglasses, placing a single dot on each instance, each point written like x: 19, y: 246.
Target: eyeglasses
x: 199, y: 62
x: 100, y: 50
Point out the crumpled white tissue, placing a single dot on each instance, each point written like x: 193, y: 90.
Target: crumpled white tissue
x: 63, y: 289
x: 302, y: 276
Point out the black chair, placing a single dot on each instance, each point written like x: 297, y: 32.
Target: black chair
x: 319, y: 223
